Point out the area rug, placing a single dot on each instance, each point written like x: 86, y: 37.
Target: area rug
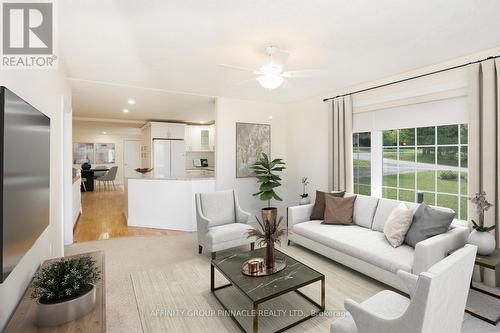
x: 177, y: 298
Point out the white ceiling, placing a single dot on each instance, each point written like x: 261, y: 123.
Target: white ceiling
x: 176, y: 46
x: 96, y: 100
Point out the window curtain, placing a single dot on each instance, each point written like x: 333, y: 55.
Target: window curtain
x: 341, y: 144
x: 484, y: 138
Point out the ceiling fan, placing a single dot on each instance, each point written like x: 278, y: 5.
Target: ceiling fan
x: 271, y: 75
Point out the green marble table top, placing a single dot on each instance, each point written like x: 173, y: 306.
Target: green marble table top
x: 294, y: 276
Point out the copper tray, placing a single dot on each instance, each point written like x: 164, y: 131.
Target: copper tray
x: 278, y: 267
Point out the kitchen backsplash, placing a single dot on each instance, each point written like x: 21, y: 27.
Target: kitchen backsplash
x: 190, y: 156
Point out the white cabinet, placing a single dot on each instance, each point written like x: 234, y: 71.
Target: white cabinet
x: 156, y: 130
x: 200, y: 138
x: 167, y: 131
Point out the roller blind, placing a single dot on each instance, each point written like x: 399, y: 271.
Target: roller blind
x: 437, y: 100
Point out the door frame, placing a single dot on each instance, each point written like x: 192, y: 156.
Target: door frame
x: 123, y: 154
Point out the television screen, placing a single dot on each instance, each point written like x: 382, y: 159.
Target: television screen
x: 25, y: 172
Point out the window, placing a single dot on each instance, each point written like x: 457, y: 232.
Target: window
x: 362, y: 163
x: 431, y: 160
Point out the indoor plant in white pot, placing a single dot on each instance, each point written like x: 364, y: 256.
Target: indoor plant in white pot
x: 304, y: 197
x: 65, y: 290
x: 481, y: 236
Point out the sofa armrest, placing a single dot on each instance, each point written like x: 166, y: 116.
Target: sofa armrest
x: 298, y: 214
x: 431, y: 250
x: 409, y: 280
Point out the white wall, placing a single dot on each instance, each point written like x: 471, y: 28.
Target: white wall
x: 307, y: 147
x: 88, y: 134
x: 45, y: 90
x: 228, y: 113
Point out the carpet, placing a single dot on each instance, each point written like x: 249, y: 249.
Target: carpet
x: 150, y: 280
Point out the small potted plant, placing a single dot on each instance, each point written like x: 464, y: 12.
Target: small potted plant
x: 266, y: 173
x: 481, y: 236
x: 268, y: 233
x: 65, y: 290
x: 304, y: 197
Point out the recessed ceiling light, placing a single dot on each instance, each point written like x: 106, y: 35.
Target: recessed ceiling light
x: 131, y: 102
x: 104, y: 133
x: 125, y: 110
x: 270, y: 117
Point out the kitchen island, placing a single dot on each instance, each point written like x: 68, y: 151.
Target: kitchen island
x: 164, y: 203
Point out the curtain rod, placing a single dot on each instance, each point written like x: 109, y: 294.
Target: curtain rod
x: 412, y: 78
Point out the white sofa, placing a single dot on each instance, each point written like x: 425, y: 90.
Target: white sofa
x: 363, y: 247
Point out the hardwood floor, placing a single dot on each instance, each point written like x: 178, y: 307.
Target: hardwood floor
x: 103, y: 218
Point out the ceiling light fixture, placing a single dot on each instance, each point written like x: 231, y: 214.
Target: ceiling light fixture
x: 125, y: 110
x: 271, y: 76
x: 270, y: 81
x: 104, y: 133
x: 131, y: 102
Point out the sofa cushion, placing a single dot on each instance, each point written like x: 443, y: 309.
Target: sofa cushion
x: 397, y: 225
x: 362, y: 243
x: 225, y: 233
x: 384, y: 209
x: 428, y: 222
x: 364, y: 209
x: 218, y: 207
x: 318, y: 212
x: 338, y: 210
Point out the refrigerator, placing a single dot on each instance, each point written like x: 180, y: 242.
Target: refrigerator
x: 169, y: 157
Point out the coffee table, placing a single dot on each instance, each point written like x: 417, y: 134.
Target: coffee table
x: 261, y: 289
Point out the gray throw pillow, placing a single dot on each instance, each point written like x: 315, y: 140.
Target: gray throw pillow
x: 428, y: 222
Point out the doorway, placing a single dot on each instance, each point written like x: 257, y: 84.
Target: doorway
x: 131, y: 157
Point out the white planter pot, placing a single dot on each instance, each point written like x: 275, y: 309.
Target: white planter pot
x: 59, y: 313
x: 485, y: 242
x: 304, y: 201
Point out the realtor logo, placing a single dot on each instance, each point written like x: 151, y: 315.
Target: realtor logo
x: 28, y: 35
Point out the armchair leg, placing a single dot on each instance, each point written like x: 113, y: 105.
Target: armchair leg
x: 200, y: 248
x: 252, y: 246
x: 214, y: 256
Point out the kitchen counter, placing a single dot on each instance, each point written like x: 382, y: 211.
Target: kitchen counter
x: 164, y: 202
x: 201, y: 169
x: 154, y: 177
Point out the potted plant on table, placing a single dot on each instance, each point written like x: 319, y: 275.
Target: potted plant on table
x: 268, y: 233
x: 304, y: 197
x: 265, y: 171
x: 481, y: 236
x: 65, y: 290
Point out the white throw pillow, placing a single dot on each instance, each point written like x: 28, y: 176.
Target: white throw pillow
x: 397, y: 224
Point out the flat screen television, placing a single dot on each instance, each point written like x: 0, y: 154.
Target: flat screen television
x: 25, y: 177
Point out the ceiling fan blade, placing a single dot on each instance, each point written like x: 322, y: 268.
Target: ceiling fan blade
x: 240, y: 68
x: 246, y: 81
x: 306, y: 73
